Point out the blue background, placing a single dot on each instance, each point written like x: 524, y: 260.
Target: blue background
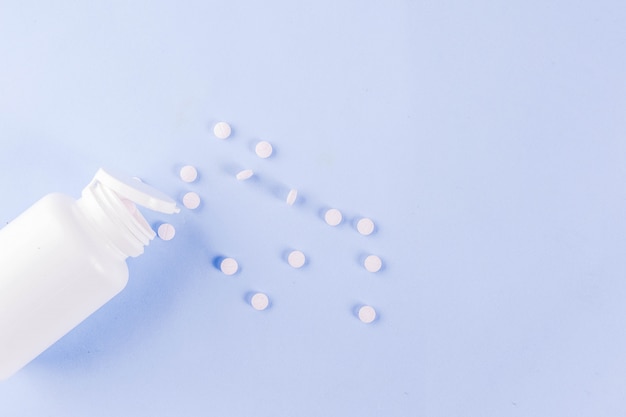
x: 486, y: 139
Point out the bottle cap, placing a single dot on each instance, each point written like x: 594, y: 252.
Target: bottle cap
x: 136, y: 191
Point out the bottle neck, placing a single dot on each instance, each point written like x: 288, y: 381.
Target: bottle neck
x: 118, y: 220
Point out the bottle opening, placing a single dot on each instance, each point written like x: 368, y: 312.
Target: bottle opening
x: 117, y: 216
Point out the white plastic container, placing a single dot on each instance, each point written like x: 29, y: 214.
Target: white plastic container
x: 62, y: 259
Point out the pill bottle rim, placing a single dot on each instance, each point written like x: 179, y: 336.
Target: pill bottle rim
x: 128, y: 232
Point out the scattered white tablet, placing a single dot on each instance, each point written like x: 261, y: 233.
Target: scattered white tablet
x: 333, y: 217
x: 166, y: 231
x: 365, y: 226
x: 259, y: 301
x: 263, y: 149
x: 296, y: 259
x: 292, y: 196
x: 244, y: 175
x: 191, y: 200
x: 373, y: 263
x: 222, y: 130
x: 229, y: 266
x: 188, y: 173
x: 367, y: 314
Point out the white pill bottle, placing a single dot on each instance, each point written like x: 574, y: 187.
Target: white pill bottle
x: 62, y: 259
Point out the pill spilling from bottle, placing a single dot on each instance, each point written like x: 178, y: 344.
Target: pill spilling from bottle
x: 295, y: 258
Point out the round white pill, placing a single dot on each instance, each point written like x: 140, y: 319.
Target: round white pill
x: 188, y: 173
x: 367, y: 314
x: 166, y: 231
x: 222, y: 130
x: 333, y: 217
x: 373, y: 263
x: 191, y: 200
x: 296, y: 259
x: 365, y: 226
x: 259, y: 301
x: 229, y: 266
x: 292, y: 196
x: 245, y: 174
x: 263, y: 149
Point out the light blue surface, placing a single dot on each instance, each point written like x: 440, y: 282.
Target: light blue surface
x: 487, y: 140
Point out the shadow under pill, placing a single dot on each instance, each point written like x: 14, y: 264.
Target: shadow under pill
x: 321, y: 212
x: 301, y: 201
x: 231, y: 169
x: 359, y: 259
x: 254, y: 179
x: 279, y: 190
x: 284, y: 254
x: 217, y: 262
x: 273, y: 187
x: 247, y: 297
x: 304, y: 202
x: 251, y: 144
x: 354, y: 223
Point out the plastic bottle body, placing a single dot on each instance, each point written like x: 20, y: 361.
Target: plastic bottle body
x: 55, y: 270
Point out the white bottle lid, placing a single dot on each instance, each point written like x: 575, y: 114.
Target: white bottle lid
x: 136, y: 191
